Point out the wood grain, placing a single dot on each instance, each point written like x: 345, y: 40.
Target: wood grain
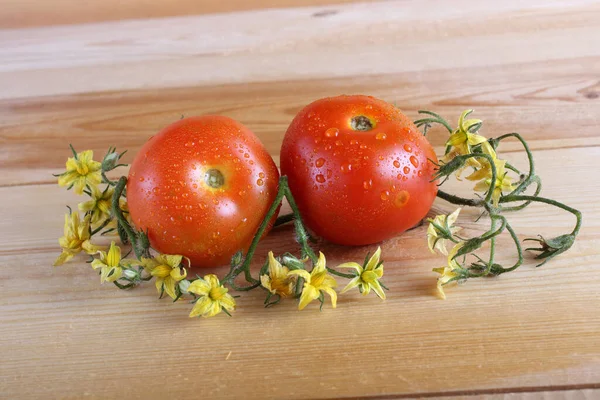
x: 553, y: 110
x: 20, y: 14
x: 291, y: 44
x: 114, y: 73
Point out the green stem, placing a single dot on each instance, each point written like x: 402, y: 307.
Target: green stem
x: 301, y: 233
x: 575, y: 212
x: 245, y: 266
x: 472, y: 202
x: 106, y: 180
x: 343, y: 275
x: 459, y: 200
x: 538, y: 189
x: 527, y: 181
x: 118, y: 213
x: 512, y: 168
x: 520, y: 260
x: 98, y: 229
x: 493, y: 232
x: 436, y: 119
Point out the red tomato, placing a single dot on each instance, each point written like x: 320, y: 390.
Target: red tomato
x: 358, y: 169
x: 201, y: 188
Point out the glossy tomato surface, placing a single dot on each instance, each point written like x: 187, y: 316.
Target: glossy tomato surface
x: 358, y: 169
x: 201, y: 188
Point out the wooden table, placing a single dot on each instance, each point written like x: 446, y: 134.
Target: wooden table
x: 107, y: 72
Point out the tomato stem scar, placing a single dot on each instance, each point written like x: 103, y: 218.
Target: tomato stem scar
x: 361, y: 123
x: 214, y: 178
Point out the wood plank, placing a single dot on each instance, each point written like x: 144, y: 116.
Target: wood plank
x: 20, y: 14
x: 139, y: 65
x: 545, y: 103
x: 528, y: 329
x: 290, y: 44
x: 527, y: 394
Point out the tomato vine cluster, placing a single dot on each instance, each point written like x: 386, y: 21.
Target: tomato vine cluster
x: 354, y: 170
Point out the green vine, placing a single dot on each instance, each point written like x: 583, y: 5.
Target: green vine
x: 463, y: 145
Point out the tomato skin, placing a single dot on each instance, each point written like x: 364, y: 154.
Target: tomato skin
x: 358, y: 187
x: 170, y: 197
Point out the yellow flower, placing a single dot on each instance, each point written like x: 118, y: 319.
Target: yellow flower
x: 316, y: 281
x: 367, y: 278
x: 462, y: 139
x: 503, y: 182
x: 76, y: 238
x: 81, y: 172
x: 99, y: 206
x: 278, y: 280
x: 167, y: 271
x: 110, y: 264
x: 485, y: 169
x: 449, y: 273
x: 213, y: 297
x: 440, y: 229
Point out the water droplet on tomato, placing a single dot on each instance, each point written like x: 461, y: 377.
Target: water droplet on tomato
x: 363, y: 146
x: 408, y: 148
x: 396, y: 163
x: 399, y: 176
x: 368, y: 184
x: 261, y: 174
x: 346, y: 168
x: 320, y: 162
x: 246, y: 155
x: 320, y: 178
x: 195, y: 186
x: 384, y: 195
x: 242, y: 193
x: 420, y: 173
x: 401, y: 198
x: 406, y: 170
x: 328, y: 147
x: 381, y: 136
x: 414, y: 161
x: 303, y: 161
x: 354, y: 142
x: 260, y: 182
x: 332, y: 132
x: 142, y: 179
